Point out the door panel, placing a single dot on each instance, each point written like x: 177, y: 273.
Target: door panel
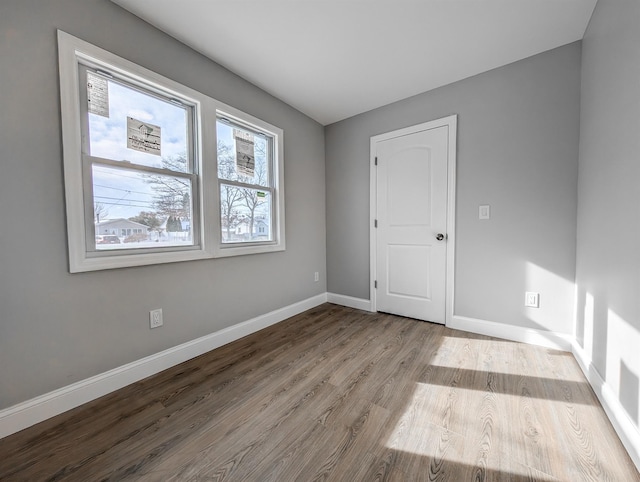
x: 411, y: 205
x: 405, y: 190
x: 403, y: 259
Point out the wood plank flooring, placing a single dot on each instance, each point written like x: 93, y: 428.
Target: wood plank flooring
x: 338, y: 394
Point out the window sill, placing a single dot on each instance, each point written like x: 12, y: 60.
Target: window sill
x: 235, y: 250
x: 85, y: 264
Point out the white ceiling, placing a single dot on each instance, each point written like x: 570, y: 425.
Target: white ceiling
x: 333, y: 59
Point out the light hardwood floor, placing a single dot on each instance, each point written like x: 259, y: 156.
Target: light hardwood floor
x: 344, y: 395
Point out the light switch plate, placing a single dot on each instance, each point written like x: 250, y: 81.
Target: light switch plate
x: 484, y: 211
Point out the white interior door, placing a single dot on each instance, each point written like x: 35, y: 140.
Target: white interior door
x: 411, y: 214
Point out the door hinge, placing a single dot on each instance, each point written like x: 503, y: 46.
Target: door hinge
x: 375, y: 284
x: 375, y: 223
x: 376, y: 163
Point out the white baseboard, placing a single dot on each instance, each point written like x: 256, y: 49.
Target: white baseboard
x: 349, y: 301
x: 26, y: 414
x: 549, y: 339
x: 625, y: 428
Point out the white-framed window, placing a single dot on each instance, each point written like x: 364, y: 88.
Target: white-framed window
x: 142, y: 155
x: 248, y: 185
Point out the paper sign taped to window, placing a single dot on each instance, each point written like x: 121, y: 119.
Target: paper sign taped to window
x: 245, y: 153
x: 143, y: 137
x: 97, y: 95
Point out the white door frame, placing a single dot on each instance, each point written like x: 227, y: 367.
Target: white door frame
x: 451, y: 122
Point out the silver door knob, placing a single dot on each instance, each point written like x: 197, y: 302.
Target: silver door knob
x: 439, y: 236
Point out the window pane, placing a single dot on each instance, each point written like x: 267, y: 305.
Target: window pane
x: 245, y: 214
x: 141, y: 129
x: 140, y: 210
x: 228, y: 166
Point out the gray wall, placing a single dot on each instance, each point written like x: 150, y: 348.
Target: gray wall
x: 57, y: 328
x: 608, y: 253
x: 518, y: 132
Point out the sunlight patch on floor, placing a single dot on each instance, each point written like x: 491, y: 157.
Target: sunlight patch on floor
x: 475, y: 428
x: 483, y: 351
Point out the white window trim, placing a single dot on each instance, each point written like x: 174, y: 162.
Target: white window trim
x: 70, y: 51
x: 222, y: 250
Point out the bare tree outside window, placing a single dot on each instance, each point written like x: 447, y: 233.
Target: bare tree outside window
x: 100, y: 211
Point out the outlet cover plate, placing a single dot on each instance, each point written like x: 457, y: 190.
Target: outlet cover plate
x: 532, y: 299
x: 155, y: 318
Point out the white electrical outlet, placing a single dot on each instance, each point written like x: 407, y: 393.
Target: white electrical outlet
x: 531, y: 299
x: 316, y: 276
x: 484, y: 211
x: 155, y: 318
